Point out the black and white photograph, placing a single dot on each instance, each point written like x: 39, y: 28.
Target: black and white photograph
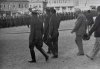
x: 49, y: 34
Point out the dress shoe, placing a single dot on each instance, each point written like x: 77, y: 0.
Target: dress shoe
x: 32, y: 61
x: 80, y: 54
x: 56, y: 56
x: 49, y: 52
x: 89, y: 57
x: 47, y: 58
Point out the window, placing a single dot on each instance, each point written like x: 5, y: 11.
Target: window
x: 26, y: 6
x: 0, y: 6
x: 54, y: 1
x: 19, y: 5
x: 13, y: 6
x: 39, y: 6
x: 4, y: 5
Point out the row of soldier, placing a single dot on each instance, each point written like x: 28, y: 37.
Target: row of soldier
x: 14, y: 21
x: 24, y: 20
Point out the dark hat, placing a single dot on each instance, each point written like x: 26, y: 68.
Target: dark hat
x: 52, y: 10
x: 47, y: 9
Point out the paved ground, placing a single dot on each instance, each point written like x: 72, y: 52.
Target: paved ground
x: 14, y: 52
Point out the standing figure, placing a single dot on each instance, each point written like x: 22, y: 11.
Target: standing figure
x: 80, y: 30
x: 35, y: 38
x: 96, y: 30
x: 53, y: 32
x: 89, y: 17
x: 46, y: 29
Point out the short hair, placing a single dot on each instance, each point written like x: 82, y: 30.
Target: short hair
x: 53, y: 10
x: 47, y: 10
x: 98, y: 8
x: 77, y: 10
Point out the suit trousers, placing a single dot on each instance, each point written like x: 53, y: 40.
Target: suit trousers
x: 79, y: 43
x: 96, y: 47
x: 38, y: 44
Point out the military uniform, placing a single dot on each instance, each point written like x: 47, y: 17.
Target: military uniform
x: 35, y: 38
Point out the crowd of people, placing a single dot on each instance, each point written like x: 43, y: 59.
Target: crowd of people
x: 44, y: 28
x: 47, y: 31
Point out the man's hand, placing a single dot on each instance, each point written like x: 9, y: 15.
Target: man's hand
x: 72, y: 31
x: 49, y: 36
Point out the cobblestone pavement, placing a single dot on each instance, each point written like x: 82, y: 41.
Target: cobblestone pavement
x: 14, y: 51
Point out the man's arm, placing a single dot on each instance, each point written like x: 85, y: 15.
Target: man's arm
x: 50, y: 26
x: 78, y: 24
x: 95, y: 26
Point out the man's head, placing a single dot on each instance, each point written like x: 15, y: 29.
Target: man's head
x: 89, y: 11
x: 98, y: 9
x: 77, y: 11
x: 47, y: 11
x: 53, y: 11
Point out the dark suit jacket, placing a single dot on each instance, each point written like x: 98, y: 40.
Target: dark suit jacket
x: 96, y: 27
x: 36, y: 29
x: 46, y: 24
x: 54, y: 25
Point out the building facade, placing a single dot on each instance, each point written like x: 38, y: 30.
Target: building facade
x: 14, y: 5
x: 62, y: 5
x: 37, y: 5
x: 21, y: 6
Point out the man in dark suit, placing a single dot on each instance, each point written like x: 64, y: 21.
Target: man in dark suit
x: 53, y: 32
x: 96, y: 30
x: 89, y: 17
x: 35, y: 38
x: 46, y: 29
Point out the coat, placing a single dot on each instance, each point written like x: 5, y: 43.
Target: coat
x: 36, y: 29
x: 80, y: 25
x: 54, y: 25
x: 96, y: 27
x: 46, y: 24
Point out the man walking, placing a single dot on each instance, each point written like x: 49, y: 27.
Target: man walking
x: 46, y: 29
x: 80, y: 30
x: 35, y: 38
x: 96, y: 30
x: 53, y: 32
x: 89, y: 17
